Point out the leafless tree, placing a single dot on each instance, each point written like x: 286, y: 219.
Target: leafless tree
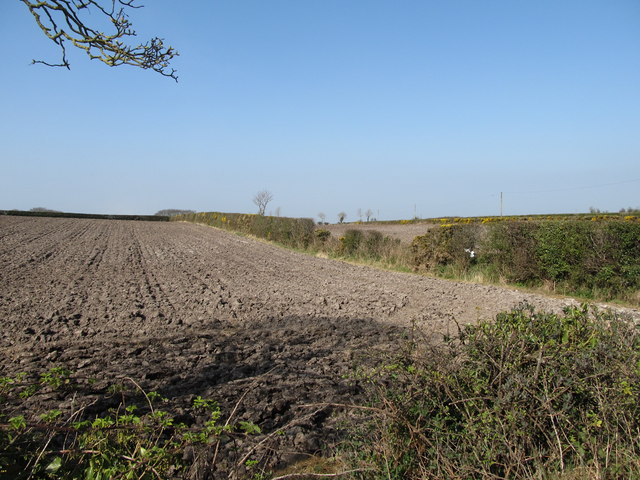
x: 341, y: 217
x: 65, y: 21
x: 359, y: 214
x: 261, y: 200
x: 322, y: 216
x: 368, y: 214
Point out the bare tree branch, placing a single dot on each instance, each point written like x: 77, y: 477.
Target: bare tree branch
x: 306, y: 476
x: 63, y: 21
x: 261, y: 200
x: 368, y: 214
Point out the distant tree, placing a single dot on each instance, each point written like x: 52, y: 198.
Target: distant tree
x: 322, y: 216
x: 630, y: 210
x: 170, y: 212
x: 42, y: 209
x: 277, y: 212
x: 65, y: 21
x: 341, y: 217
x: 261, y: 200
x: 594, y: 210
x: 359, y: 214
x: 368, y: 214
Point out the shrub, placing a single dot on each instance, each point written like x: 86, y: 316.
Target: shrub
x: 615, y: 260
x: 371, y: 245
x: 561, y: 249
x: 322, y: 235
x: 447, y: 245
x: 350, y: 241
x: 511, y: 248
x: 530, y: 395
x: 374, y: 243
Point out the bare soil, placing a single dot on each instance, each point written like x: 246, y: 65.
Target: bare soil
x: 405, y: 233
x: 190, y: 310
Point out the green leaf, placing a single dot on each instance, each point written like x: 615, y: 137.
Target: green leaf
x: 50, y: 416
x: 54, y: 465
x: 250, y: 428
x: 18, y: 423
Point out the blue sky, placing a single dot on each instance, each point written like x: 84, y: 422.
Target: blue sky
x: 395, y: 106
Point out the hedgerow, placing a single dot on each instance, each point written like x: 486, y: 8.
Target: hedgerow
x: 292, y: 232
x: 447, y: 246
x: 594, y: 259
x: 93, y: 216
x: 531, y: 395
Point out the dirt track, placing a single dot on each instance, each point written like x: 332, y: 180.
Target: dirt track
x: 190, y: 310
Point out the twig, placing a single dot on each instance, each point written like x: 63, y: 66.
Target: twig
x: 44, y: 448
x: 276, y: 432
x: 319, y: 475
x: 345, y: 405
x: 143, y: 392
x: 66, y: 451
x: 235, y: 408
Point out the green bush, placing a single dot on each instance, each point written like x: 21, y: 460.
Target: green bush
x: 531, y: 395
x: 350, y: 242
x: 511, y: 249
x: 446, y: 245
x: 373, y: 244
x: 613, y: 256
x: 561, y: 249
x: 589, y: 256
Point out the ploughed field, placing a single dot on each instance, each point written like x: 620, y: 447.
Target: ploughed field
x: 188, y: 310
x: 405, y: 233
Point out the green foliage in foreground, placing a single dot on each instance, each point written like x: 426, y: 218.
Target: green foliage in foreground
x: 135, y: 440
x: 531, y: 395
